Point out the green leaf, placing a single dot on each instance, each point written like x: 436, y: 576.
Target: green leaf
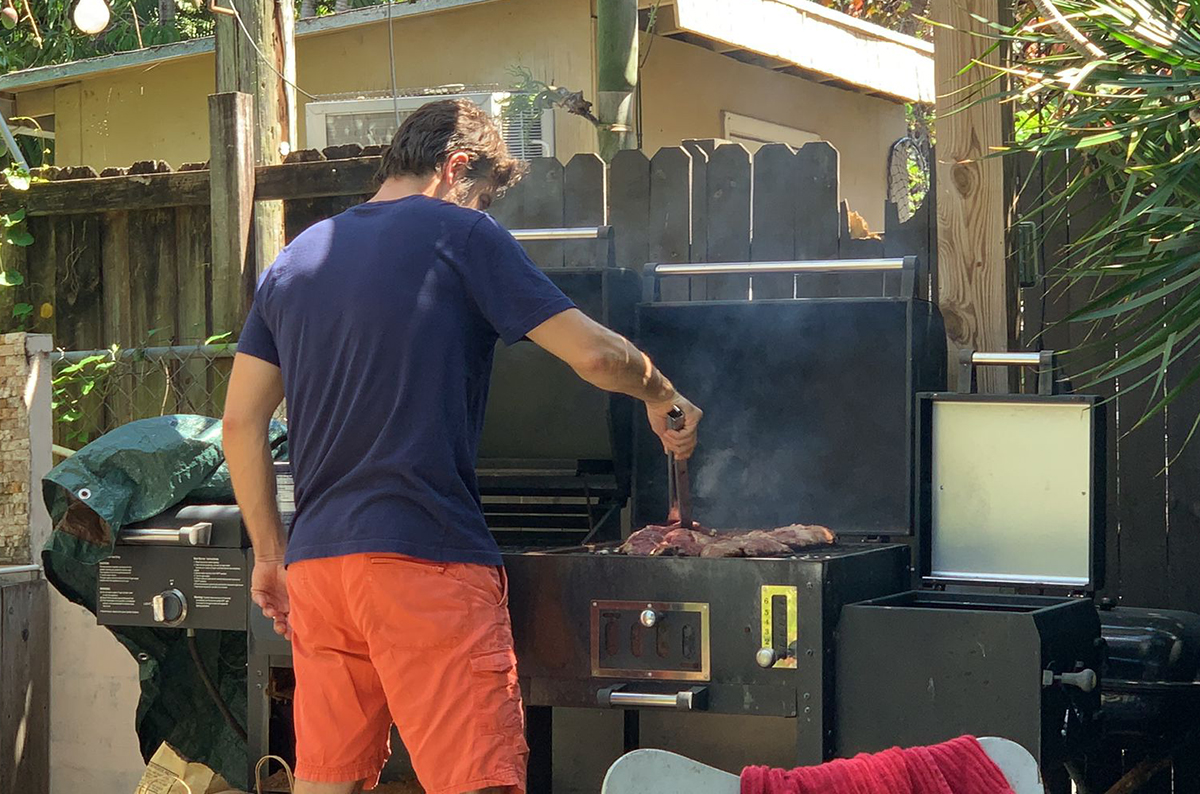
x: 18, y: 236
x: 13, y: 218
x: 11, y: 278
x: 22, y: 310
x: 87, y: 387
x: 17, y: 179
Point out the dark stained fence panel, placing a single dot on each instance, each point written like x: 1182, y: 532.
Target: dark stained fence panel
x: 670, y: 226
x: 730, y: 196
x: 776, y: 193
x: 585, y: 203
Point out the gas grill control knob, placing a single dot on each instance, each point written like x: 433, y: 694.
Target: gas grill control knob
x: 766, y: 658
x: 649, y: 618
x: 169, y: 607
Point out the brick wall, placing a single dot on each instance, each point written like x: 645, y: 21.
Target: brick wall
x: 24, y: 384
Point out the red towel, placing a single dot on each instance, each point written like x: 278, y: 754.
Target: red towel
x: 959, y: 766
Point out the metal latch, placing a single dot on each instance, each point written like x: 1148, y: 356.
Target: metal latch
x: 1085, y: 680
x: 780, y: 627
x: 198, y: 534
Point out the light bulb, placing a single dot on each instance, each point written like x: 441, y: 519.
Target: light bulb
x: 91, y: 16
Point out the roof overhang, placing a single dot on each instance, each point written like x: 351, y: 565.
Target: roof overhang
x: 806, y: 39
x: 57, y: 74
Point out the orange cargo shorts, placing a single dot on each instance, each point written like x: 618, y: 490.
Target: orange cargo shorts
x: 382, y: 638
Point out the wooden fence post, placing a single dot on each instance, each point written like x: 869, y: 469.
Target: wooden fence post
x: 231, y: 180
x: 974, y: 279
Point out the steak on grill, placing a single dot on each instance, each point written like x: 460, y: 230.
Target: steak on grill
x: 669, y: 540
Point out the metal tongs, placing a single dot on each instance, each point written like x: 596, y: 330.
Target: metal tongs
x: 679, y: 489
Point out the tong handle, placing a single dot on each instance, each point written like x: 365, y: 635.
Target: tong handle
x: 675, y: 418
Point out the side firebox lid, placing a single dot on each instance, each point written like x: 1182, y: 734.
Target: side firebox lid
x: 1011, y: 490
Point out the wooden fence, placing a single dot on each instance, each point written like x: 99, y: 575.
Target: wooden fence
x: 125, y: 258
x: 1153, y: 523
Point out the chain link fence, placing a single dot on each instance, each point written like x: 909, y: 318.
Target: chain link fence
x: 98, y: 390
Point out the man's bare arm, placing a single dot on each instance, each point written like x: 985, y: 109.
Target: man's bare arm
x: 611, y: 362
x: 255, y: 391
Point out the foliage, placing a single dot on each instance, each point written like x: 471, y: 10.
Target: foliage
x: 1115, y: 84
x: 71, y: 387
x: 135, y: 24
x: 904, y: 16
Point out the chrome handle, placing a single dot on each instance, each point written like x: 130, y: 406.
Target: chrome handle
x: 766, y: 658
x: 577, y: 233
x: 648, y: 618
x: 1042, y: 359
x: 680, y: 700
x: 684, y: 700
x: 752, y: 268
x: 1018, y: 359
x: 198, y: 534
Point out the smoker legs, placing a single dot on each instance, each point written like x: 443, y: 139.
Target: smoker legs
x: 633, y: 730
x: 258, y: 710
x: 539, y: 731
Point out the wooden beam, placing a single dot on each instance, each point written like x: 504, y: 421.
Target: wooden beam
x: 349, y: 177
x: 250, y: 58
x: 974, y: 279
x: 231, y: 129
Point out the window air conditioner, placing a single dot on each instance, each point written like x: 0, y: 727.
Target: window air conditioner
x: 372, y: 121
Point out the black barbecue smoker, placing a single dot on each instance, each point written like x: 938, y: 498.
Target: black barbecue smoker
x: 956, y: 600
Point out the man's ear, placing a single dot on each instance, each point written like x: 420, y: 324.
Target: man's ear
x: 456, y: 167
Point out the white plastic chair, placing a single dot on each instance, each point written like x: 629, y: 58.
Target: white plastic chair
x: 662, y: 772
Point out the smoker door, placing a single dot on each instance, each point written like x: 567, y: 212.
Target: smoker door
x: 925, y: 667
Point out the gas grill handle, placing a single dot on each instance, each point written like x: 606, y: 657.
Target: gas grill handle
x: 692, y: 699
x: 198, y: 534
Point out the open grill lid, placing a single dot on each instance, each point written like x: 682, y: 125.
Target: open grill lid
x: 808, y: 402
x: 1011, y: 488
x: 555, y: 456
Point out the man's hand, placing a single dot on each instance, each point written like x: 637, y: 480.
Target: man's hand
x: 268, y: 589
x: 683, y: 441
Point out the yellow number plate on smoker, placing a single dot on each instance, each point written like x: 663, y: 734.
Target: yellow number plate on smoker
x: 780, y: 615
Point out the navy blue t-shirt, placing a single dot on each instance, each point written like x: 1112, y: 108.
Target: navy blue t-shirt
x: 384, y: 320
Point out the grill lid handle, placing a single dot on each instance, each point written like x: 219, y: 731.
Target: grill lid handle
x: 906, y: 266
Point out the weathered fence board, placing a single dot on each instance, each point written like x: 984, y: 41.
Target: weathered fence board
x: 629, y: 207
x: 816, y: 215
x: 700, y: 157
x: 669, y: 227
x: 536, y: 202
x: 585, y: 203
x: 730, y: 199
x: 776, y: 176
x: 25, y: 687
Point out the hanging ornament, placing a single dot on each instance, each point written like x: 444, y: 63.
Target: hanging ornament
x: 91, y: 16
x: 9, y: 17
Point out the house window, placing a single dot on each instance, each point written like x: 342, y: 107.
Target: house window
x: 753, y: 133
x: 373, y: 121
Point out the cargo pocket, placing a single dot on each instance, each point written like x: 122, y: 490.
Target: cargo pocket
x: 497, y: 692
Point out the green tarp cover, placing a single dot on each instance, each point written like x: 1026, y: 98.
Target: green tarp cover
x: 131, y: 474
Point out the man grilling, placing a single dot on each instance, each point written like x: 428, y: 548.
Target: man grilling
x: 379, y: 326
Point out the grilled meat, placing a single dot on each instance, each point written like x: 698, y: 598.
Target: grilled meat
x: 643, y: 542
x: 671, y: 540
x: 801, y: 536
